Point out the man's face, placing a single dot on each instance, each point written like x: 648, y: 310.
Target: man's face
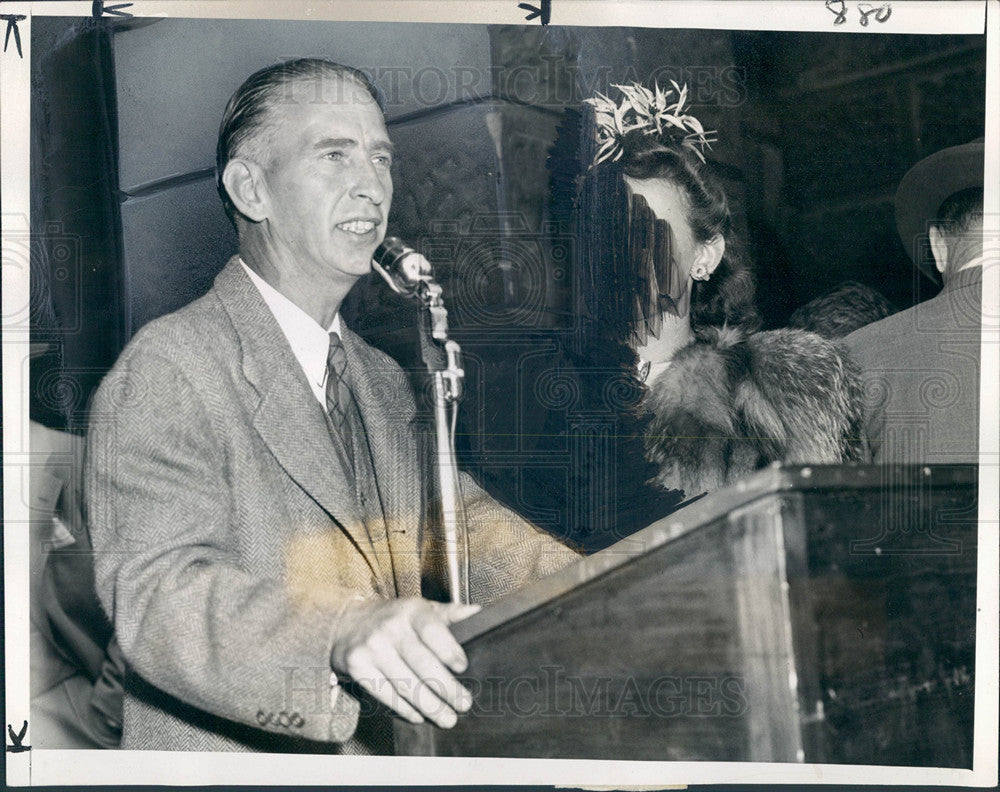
x: 327, y: 180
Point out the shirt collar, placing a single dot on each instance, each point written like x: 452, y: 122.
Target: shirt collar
x: 977, y: 262
x: 970, y: 274
x: 309, y: 341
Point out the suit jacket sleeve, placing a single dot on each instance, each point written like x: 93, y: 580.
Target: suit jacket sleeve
x: 188, y: 618
x: 506, y: 551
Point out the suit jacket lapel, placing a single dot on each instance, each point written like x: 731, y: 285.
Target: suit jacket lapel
x: 382, y: 394
x: 286, y: 415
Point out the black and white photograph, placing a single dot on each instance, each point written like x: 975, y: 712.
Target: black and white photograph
x: 422, y: 390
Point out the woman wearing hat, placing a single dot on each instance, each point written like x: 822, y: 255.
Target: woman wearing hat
x: 672, y: 347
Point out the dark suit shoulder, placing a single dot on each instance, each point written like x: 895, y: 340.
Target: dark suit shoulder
x: 876, y: 341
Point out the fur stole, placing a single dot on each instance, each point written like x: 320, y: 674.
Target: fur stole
x: 731, y: 403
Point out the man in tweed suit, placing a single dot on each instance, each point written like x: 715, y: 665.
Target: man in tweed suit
x: 921, y: 366
x: 257, y: 507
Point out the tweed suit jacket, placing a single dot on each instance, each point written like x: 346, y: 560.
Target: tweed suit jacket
x: 921, y: 376
x: 228, y: 540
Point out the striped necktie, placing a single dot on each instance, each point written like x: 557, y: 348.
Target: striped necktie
x: 338, y: 394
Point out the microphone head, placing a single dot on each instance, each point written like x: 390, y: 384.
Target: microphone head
x: 401, y: 266
x: 390, y: 250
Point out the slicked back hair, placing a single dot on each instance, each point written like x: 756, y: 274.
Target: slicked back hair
x: 243, y: 131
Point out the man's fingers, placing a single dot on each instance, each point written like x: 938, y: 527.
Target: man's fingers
x: 401, y: 652
x: 427, y: 666
x: 384, y: 690
x: 453, y: 612
x: 428, y: 693
x: 438, y: 639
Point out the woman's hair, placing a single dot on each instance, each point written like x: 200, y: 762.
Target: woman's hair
x: 842, y: 310
x: 611, y: 278
x: 727, y: 297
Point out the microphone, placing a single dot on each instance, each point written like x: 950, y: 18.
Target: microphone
x: 411, y: 275
x: 401, y: 267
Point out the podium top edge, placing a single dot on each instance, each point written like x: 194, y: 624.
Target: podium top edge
x: 769, y: 481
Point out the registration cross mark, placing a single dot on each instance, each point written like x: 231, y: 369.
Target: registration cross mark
x: 12, y: 20
x: 98, y: 9
x: 543, y: 11
x: 17, y: 740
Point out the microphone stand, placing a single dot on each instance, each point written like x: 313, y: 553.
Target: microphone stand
x: 447, y: 375
x: 442, y: 356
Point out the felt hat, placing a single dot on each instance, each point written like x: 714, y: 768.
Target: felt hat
x: 925, y: 187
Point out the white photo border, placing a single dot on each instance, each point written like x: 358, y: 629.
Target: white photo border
x: 59, y: 768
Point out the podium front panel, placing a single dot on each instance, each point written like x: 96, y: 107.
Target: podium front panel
x: 821, y: 615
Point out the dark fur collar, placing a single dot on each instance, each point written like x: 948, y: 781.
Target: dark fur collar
x: 731, y: 403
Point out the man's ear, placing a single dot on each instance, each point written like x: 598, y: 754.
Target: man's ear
x: 244, y: 181
x: 709, y: 254
x: 939, y: 249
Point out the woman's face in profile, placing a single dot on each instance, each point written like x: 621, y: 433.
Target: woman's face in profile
x: 667, y: 201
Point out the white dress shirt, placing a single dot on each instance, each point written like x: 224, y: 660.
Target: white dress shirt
x: 309, y: 341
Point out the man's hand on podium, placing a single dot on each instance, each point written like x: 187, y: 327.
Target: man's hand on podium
x: 404, y: 655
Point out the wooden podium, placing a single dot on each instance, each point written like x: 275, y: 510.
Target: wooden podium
x: 822, y: 614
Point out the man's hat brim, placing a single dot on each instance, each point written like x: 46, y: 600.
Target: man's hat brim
x: 925, y: 187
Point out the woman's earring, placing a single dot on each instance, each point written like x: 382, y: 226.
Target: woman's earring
x: 700, y: 273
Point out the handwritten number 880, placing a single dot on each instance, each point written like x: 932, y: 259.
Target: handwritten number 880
x: 865, y: 11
